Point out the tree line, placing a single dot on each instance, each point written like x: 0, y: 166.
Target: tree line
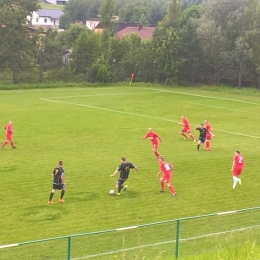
x: 218, y: 32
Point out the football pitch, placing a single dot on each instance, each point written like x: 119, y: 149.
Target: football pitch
x: 91, y: 128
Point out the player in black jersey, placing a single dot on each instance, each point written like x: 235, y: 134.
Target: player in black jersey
x: 202, y: 137
x: 58, y: 182
x: 124, y: 169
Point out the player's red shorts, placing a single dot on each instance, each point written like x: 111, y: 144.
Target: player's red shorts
x: 208, y: 137
x: 237, y: 171
x: 167, y: 178
x: 155, y: 144
x: 8, y: 137
x: 185, y: 129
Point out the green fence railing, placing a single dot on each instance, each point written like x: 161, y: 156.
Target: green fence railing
x: 169, y: 239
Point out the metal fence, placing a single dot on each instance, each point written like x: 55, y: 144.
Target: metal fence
x: 170, y: 239
x: 238, y: 76
x: 83, y: 68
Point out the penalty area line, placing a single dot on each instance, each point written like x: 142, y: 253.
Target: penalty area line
x: 113, y: 94
x: 202, y: 96
x: 166, y: 242
x: 139, y: 115
x: 223, y: 108
x: 108, y: 109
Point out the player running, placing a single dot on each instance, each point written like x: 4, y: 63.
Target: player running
x: 124, y: 169
x: 186, y: 128
x: 8, y: 135
x: 208, y: 135
x: 153, y: 137
x: 237, y: 168
x: 202, y: 137
x: 166, y: 169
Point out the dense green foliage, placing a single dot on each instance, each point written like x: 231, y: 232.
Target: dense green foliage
x: 188, y: 33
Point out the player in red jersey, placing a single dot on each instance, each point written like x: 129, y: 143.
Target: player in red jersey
x: 186, y: 128
x: 237, y: 168
x: 208, y: 135
x: 166, y: 169
x: 8, y: 135
x: 153, y: 137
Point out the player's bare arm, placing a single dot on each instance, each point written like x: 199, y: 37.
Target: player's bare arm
x: 158, y: 174
x: 211, y: 133
x: 233, y: 164
x: 63, y: 180
x: 112, y: 175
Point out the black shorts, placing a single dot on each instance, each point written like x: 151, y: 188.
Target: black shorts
x: 202, y: 140
x: 58, y: 186
x: 120, y: 182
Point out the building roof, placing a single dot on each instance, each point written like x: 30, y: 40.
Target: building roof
x: 144, y: 32
x: 55, y: 14
x: 122, y: 25
x: 45, y: 2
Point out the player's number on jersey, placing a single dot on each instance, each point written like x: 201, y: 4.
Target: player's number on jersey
x: 167, y: 167
x: 240, y: 160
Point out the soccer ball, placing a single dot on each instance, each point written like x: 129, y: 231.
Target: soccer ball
x: 111, y: 192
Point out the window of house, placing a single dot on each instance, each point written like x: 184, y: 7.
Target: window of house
x: 45, y: 20
x: 37, y: 20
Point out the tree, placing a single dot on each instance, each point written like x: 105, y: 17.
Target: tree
x: 219, y: 31
x: 78, y: 10
x: 188, y: 3
x: 251, y: 31
x: 132, y: 12
x: 107, y: 11
x: 86, y: 50
x: 68, y: 37
x: 173, y: 15
x: 166, y: 47
x: 50, y: 51
x: 15, y: 43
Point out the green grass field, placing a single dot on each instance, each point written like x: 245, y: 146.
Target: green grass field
x: 91, y: 128
x: 50, y: 6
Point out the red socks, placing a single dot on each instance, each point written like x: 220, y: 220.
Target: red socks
x: 192, y: 137
x: 5, y: 143
x: 162, y: 185
x: 183, y: 135
x: 157, y: 154
x: 171, y: 189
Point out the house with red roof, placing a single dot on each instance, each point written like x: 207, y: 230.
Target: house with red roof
x: 144, y: 32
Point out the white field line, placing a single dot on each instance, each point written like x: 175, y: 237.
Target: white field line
x: 227, y: 212
x: 228, y: 109
x: 166, y: 242
x: 10, y: 245
x: 202, y: 96
x: 107, y: 109
x: 139, y: 115
x: 52, y: 89
x: 100, y: 95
